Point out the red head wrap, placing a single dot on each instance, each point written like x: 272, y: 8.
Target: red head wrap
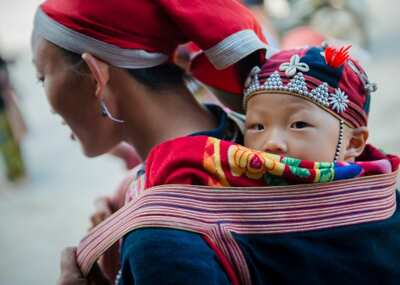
x: 145, y: 33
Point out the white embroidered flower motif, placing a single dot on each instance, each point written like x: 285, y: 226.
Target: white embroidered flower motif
x: 290, y: 68
x: 338, y: 101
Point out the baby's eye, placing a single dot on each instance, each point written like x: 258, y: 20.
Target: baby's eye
x: 257, y: 127
x: 299, y: 125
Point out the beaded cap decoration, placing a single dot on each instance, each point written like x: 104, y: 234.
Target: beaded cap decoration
x: 324, y: 76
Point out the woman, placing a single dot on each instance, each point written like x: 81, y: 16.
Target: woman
x: 106, y: 70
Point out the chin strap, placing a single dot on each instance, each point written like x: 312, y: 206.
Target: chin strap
x: 340, y: 141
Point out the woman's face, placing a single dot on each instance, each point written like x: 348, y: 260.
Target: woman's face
x: 291, y: 126
x: 70, y: 90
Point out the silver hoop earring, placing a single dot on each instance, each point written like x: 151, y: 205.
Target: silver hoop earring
x: 340, y: 141
x: 106, y: 113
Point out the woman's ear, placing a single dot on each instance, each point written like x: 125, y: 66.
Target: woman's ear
x: 356, y: 143
x: 99, y: 71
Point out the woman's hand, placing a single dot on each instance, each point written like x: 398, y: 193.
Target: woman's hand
x: 102, y: 211
x: 71, y: 274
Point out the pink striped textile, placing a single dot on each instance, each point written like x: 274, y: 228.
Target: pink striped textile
x: 219, y: 212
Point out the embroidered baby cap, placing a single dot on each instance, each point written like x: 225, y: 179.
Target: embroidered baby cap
x: 143, y: 33
x: 326, y: 76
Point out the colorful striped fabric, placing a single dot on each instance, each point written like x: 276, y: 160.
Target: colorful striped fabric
x: 208, y: 161
x: 217, y: 213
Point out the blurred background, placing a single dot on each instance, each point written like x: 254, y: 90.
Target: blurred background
x: 47, y: 187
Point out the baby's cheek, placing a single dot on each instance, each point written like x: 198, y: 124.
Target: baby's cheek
x: 323, y: 151
x: 251, y: 141
x: 313, y: 149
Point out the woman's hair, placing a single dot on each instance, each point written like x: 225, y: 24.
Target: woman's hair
x: 163, y: 76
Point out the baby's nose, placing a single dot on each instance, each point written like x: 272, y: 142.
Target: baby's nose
x: 275, y: 144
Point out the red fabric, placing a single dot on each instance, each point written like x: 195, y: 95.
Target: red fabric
x: 352, y: 85
x: 372, y: 152
x: 228, y: 80
x: 180, y: 166
x: 160, y: 26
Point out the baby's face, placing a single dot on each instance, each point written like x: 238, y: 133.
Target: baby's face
x: 291, y: 126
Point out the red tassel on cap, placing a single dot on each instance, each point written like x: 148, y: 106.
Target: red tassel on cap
x: 336, y: 57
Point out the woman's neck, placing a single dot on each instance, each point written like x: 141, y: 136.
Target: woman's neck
x: 153, y: 117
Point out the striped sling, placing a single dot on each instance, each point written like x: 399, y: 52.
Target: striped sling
x: 217, y: 213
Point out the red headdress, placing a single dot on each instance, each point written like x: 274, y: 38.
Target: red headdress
x: 144, y: 33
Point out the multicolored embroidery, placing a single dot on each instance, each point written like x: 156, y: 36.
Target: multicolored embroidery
x: 209, y: 161
x: 256, y: 165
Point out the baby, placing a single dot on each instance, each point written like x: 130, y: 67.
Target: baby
x: 306, y: 122
x: 316, y: 106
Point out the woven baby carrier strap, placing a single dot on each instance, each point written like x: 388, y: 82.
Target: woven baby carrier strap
x: 217, y: 213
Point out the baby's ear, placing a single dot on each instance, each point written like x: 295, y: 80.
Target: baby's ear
x: 357, y: 139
